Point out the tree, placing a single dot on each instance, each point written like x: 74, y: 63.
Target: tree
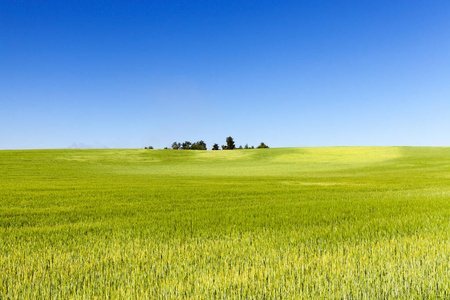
x: 176, y: 146
x: 240, y: 147
x: 262, y: 145
x: 215, y: 146
x: 186, y: 145
x: 150, y: 147
x: 246, y: 146
x: 200, y: 145
x: 224, y: 147
x: 230, y: 143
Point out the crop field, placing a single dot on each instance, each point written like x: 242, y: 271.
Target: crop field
x: 340, y: 222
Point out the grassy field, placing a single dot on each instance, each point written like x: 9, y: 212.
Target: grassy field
x: 342, y: 222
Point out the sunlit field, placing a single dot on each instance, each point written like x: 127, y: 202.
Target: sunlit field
x: 341, y: 222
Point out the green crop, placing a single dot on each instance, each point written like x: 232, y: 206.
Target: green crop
x: 342, y: 222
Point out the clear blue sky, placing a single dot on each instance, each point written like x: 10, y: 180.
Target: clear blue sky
x: 128, y: 74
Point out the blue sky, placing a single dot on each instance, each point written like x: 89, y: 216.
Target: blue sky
x: 129, y: 74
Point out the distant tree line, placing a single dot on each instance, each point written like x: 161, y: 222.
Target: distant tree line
x: 201, y: 145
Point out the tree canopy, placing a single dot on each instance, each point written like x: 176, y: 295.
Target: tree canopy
x: 262, y: 145
x: 230, y: 143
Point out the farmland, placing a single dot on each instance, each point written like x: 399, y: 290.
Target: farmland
x: 339, y: 222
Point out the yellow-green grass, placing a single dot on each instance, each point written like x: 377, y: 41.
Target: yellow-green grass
x: 340, y: 222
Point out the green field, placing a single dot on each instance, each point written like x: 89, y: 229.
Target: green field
x: 341, y: 222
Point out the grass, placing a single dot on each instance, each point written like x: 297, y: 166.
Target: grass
x: 341, y: 222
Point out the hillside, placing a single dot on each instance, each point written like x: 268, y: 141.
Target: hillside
x: 290, y: 222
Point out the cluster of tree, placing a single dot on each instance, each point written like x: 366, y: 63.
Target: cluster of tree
x: 230, y: 145
x: 262, y: 145
x: 200, y: 145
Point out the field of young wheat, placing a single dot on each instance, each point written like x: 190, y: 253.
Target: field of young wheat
x: 342, y: 222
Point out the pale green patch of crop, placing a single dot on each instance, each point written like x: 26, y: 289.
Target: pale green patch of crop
x: 335, y: 155
x: 334, y: 223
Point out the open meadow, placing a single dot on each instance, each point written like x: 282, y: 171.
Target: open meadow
x: 339, y: 222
